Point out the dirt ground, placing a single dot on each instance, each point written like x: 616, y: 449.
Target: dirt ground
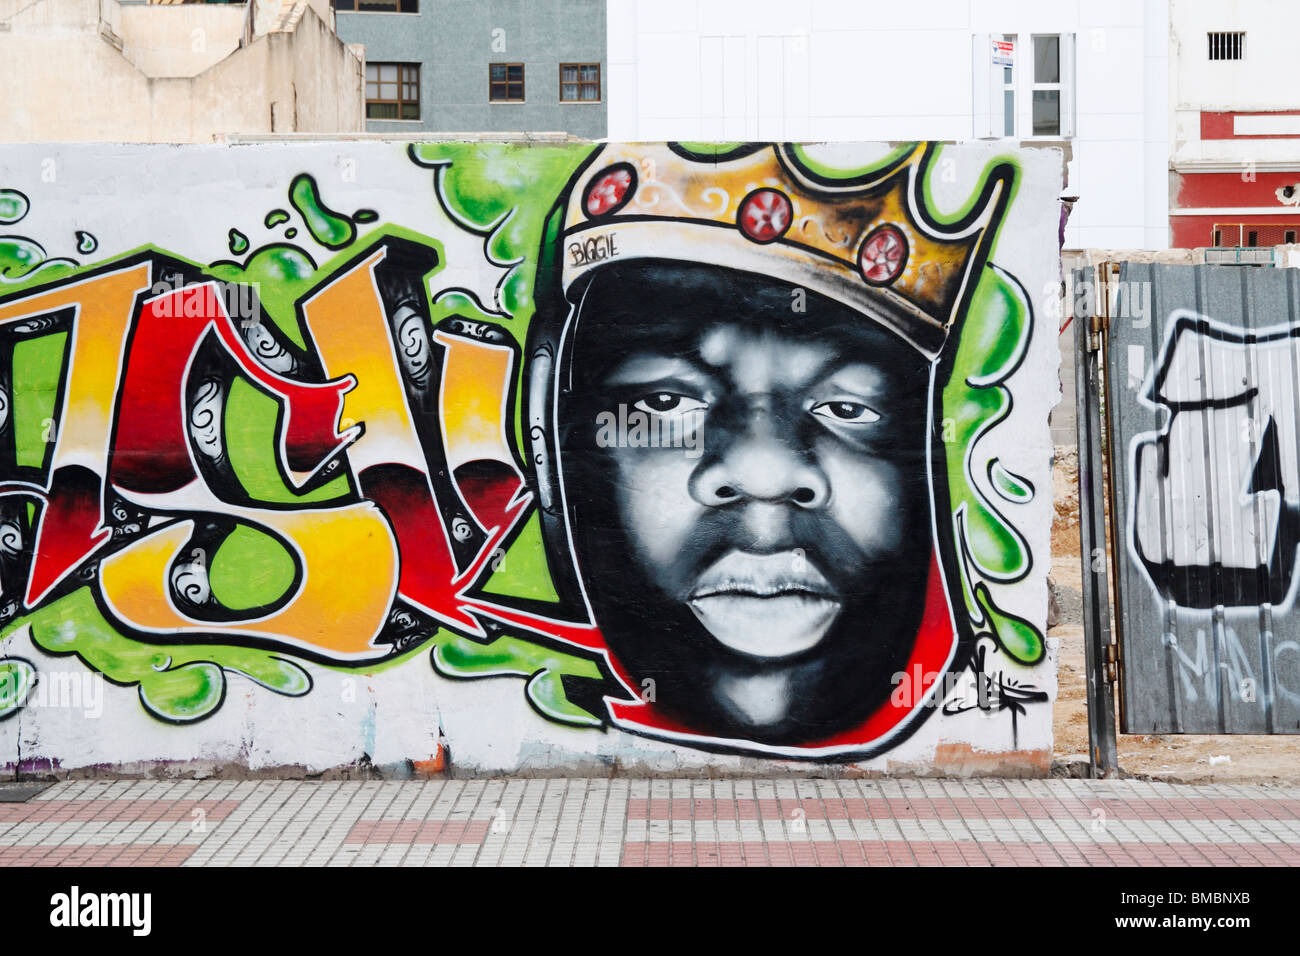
x: 1174, y: 757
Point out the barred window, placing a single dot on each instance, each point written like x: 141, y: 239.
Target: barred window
x: 1227, y: 46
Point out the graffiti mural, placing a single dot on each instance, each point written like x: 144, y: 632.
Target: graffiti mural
x: 1211, y: 496
x: 701, y: 441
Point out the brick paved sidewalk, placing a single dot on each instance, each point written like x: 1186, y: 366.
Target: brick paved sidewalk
x: 580, y: 821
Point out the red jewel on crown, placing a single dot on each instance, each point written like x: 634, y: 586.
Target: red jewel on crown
x: 765, y: 215
x: 883, y: 255
x: 610, y: 190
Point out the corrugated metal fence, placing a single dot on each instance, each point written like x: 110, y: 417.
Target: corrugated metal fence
x: 1203, y: 414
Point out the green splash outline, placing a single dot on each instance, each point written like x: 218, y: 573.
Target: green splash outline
x: 177, y: 683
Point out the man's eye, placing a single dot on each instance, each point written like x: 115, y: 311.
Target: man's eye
x: 669, y: 403
x: 846, y: 413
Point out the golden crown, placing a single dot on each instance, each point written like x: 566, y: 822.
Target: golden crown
x: 868, y: 241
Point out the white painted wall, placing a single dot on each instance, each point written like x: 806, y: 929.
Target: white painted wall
x: 1264, y: 79
x: 180, y: 40
x: 847, y: 70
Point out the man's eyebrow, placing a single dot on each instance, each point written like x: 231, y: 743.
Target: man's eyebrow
x: 807, y: 371
x: 875, y: 379
x: 649, y: 367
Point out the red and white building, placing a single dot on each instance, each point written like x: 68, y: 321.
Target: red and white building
x: 1235, y: 135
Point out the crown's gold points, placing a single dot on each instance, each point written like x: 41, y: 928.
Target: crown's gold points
x: 759, y: 209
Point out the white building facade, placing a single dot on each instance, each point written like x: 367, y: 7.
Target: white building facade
x: 1090, y: 76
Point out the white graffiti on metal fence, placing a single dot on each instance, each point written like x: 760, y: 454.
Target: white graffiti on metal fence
x: 1216, y: 488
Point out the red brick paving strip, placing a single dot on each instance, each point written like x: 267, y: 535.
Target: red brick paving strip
x: 111, y: 854
x: 927, y: 808
x: 966, y: 852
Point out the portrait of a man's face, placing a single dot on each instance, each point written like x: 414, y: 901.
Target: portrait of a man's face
x: 733, y: 412
x: 768, y: 570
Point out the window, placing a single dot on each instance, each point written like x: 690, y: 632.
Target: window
x: 1253, y: 234
x: 506, y: 82
x: 1227, y: 46
x: 579, y: 82
x: 1046, y: 93
x: 393, y: 91
x: 1023, y: 85
x: 377, y: 6
x: 1009, y: 90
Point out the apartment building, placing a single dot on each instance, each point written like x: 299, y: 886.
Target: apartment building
x: 499, y: 65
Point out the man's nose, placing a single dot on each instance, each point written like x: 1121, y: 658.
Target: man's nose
x: 763, y: 463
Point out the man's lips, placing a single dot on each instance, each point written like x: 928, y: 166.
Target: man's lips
x: 762, y: 575
x: 765, y: 605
